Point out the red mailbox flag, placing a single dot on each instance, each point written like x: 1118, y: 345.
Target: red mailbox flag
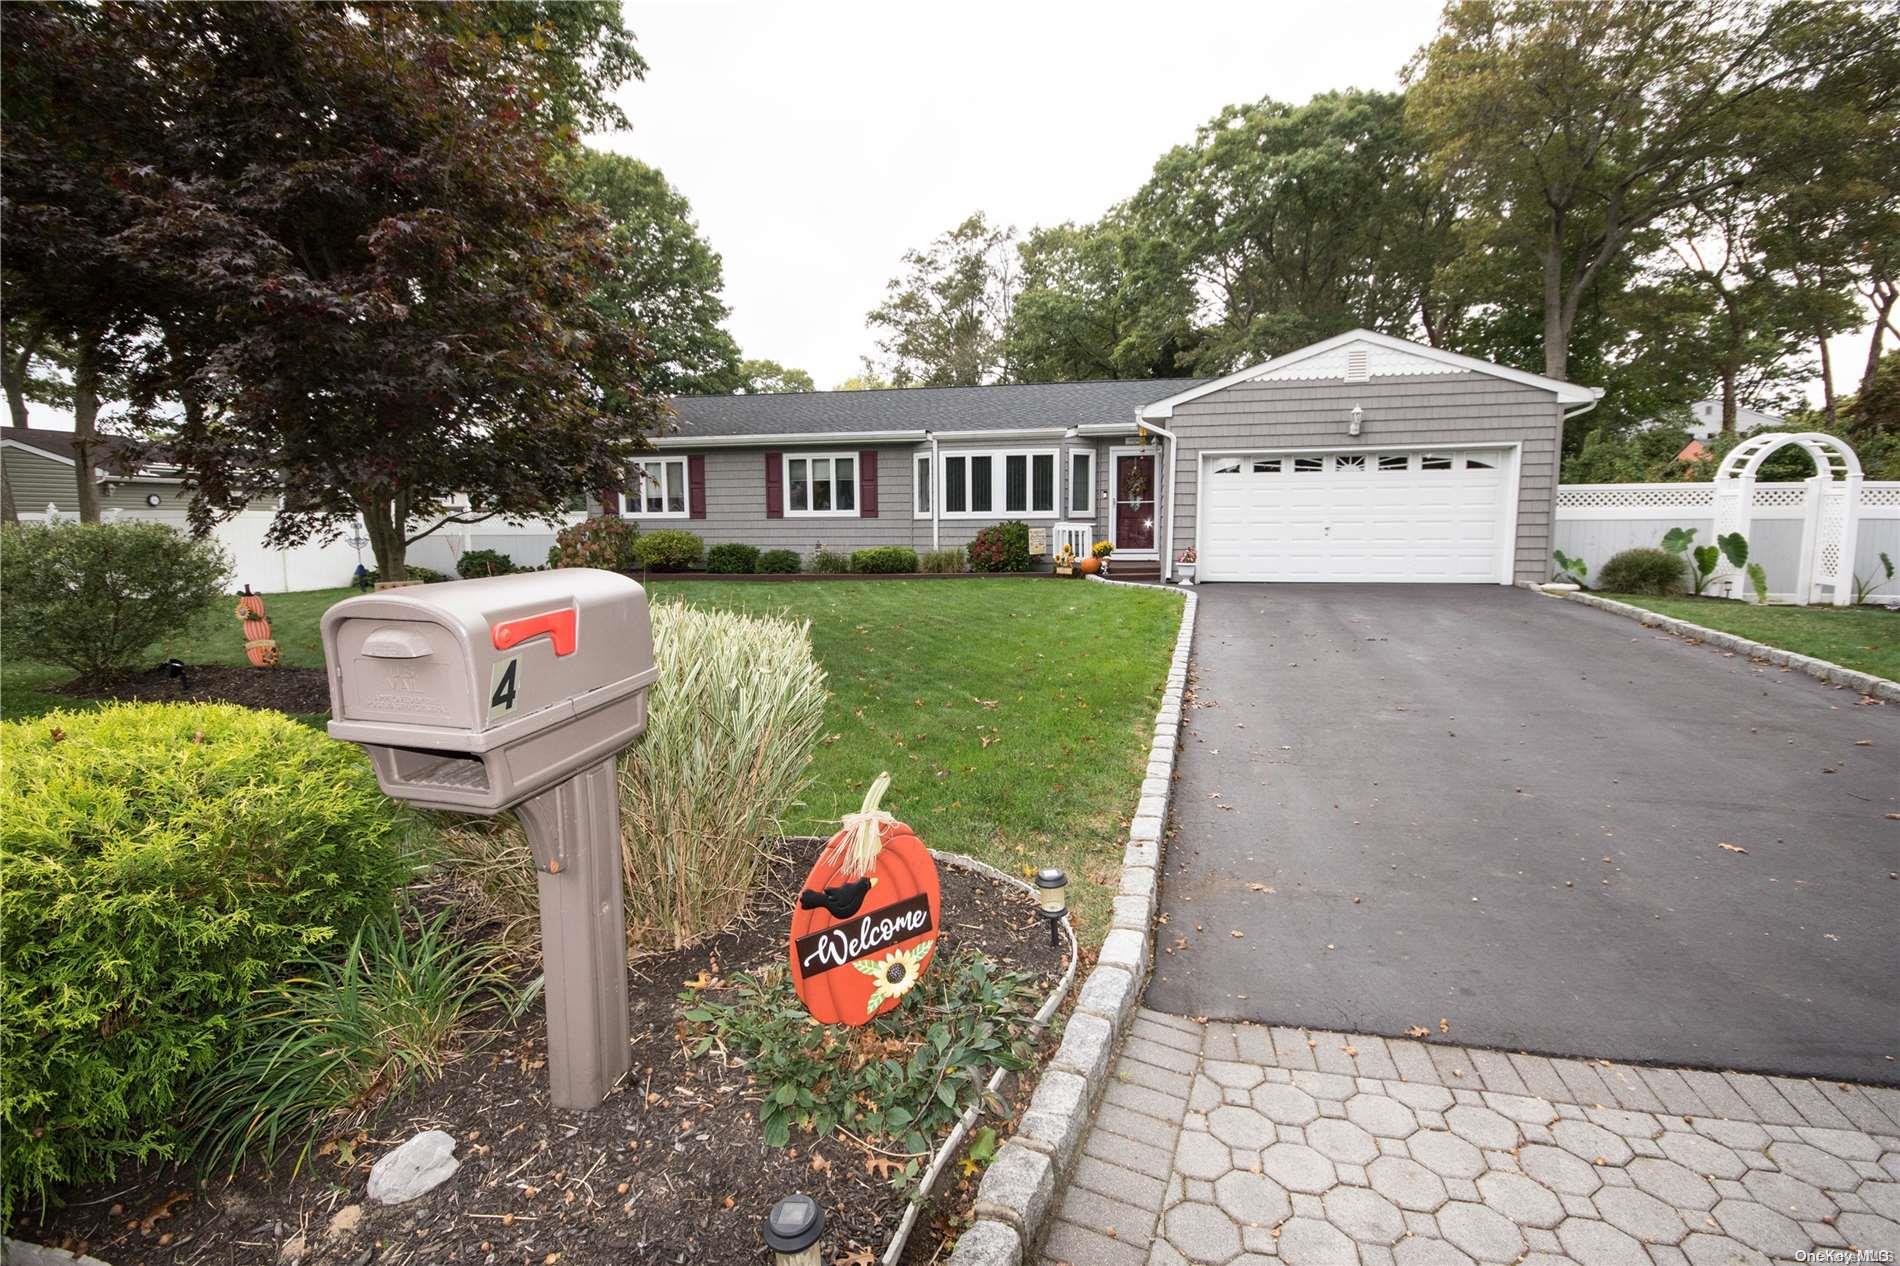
x: 866, y: 923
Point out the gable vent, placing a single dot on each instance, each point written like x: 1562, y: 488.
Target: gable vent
x: 1357, y: 367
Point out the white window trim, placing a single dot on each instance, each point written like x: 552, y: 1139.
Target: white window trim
x: 999, y: 484
x: 857, y: 483
x: 1115, y: 453
x: 1088, y: 508
x: 637, y: 490
x: 920, y: 487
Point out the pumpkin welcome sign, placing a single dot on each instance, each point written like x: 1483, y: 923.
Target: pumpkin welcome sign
x: 866, y: 923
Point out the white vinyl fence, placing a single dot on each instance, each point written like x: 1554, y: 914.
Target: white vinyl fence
x: 1595, y: 521
x: 331, y: 566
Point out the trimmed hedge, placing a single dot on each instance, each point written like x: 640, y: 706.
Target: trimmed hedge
x: 157, y: 863
x: 475, y: 563
x: 733, y: 560
x: 669, y: 549
x: 427, y: 575
x: 829, y: 561
x: 779, y: 562
x: 884, y: 560
x: 1001, y: 547
x: 1656, y: 572
x: 93, y: 597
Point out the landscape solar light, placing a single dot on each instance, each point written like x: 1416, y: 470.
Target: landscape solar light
x: 1052, y: 891
x: 792, y: 1230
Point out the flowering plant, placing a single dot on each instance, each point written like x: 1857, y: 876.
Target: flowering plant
x: 1185, y: 556
x: 1102, y: 549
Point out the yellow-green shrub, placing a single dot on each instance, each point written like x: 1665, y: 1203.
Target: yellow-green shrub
x: 157, y: 863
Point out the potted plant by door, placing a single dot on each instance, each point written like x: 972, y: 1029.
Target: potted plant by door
x: 1097, y: 561
x: 1065, y: 560
x: 1184, y: 566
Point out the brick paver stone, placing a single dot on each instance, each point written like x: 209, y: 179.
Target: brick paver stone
x: 1592, y: 1243
x: 1252, y: 1199
x: 1202, y: 1232
x: 1483, y: 1232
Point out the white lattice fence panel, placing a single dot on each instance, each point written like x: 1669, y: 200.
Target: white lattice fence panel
x: 1635, y: 497
x: 1881, y: 500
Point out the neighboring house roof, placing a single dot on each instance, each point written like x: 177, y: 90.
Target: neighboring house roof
x: 908, y: 412
x: 1358, y: 355
x: 111, y: 457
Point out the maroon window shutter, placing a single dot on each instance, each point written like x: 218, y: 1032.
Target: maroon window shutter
x: 774, y: 486
x: 696, y: 485
x: 867, y: 483
x: 609, y: 501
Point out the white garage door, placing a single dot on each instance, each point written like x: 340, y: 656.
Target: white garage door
x: 1361, y: 516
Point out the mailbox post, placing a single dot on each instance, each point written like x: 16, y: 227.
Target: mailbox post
x: 517, y: 692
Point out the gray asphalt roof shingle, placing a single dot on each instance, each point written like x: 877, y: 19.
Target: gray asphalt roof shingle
x: 943, y: 409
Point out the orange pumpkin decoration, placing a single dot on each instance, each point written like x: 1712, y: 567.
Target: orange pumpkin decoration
x: 866, y: 924
x: 259, y: 647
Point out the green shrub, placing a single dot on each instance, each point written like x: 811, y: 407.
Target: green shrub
x: 942, y: 560
x: 734, y: 718
x: 318, y: 1050
x: 779, y: 562
x: 427, y: 575
x: 1001, y: 547
x: 160, y: 862
x: 733, y: 560
x: 484, y: 562
x: 668, y: 549
x: 93, y: 597
x: 605, y: 541
x: 830, y: 562
x: 884, y: 560
x: 939, y: 1045
x: 1645, y: 570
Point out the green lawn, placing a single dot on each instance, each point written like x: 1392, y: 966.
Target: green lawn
x: 1014, y: 715
x: 1863, y: 638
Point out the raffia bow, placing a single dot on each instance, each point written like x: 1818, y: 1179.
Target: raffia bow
x: 854, y: 851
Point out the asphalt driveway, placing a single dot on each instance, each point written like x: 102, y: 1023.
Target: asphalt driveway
x: 1490, y: 808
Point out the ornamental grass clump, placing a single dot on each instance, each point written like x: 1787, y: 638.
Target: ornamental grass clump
x: 158, y: 863
x: 731, y: 725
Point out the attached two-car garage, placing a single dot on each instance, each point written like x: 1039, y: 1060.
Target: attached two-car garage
x: 1421, y: 515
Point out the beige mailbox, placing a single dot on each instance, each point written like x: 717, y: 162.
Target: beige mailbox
x: 517, y: 692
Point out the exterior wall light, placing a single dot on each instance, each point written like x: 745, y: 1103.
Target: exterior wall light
x: 1358, y: 416
x: 1052, y: 891
x: 792, y: 1230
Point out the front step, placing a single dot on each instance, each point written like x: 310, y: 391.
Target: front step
x: 1144, y: 572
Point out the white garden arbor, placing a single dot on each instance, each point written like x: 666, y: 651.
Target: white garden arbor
x: 1831, y: 522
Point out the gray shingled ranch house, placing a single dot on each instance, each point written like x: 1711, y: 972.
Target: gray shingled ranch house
x: 1360, y: 458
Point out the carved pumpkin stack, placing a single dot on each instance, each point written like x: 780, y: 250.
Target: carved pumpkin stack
x: 867, y: 922
x: 259, y: 647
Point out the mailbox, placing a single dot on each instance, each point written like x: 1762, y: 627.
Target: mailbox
x: 517, y: 692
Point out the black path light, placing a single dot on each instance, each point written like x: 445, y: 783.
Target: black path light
x: 1052, y: 890
x: 792, y: 1230
x: 176, y: 670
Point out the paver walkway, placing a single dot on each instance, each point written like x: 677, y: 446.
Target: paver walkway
x: 1239, y: 1143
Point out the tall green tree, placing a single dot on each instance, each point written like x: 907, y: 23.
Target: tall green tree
x: 768, y: 378
x: 1292, y: 223
x: 1098, y: 301
x: 945, y: 317
x: 361, y: 270
x: 663, y: 279
x: 1569, y: 129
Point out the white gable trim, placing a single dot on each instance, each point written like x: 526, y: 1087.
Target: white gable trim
x: 1449, y: 362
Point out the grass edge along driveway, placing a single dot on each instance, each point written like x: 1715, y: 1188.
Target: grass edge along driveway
x: 1864, y: 638
x: 1014, y: 714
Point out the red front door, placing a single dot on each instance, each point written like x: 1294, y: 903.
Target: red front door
x: 1134, y: 501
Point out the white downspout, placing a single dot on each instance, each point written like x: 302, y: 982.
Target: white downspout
x: 936, y: 492
x: 1167, y: 522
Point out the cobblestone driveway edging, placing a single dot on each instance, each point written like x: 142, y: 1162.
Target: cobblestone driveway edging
x: 1825, y: 670
x: 1019, y: 1187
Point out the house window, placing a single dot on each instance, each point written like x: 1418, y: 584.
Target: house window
x: 920, y: 487
x: 1308, y: 465
x: 1434, y: 461
x: 658, y: 489
x: 821, y: 483
x: 981, y: 485
x: 1082, y: 482
x: 1228, y: 466
x: 1475, y: 463
x: 1355, y: 462
x: 1394, y: 461
x: 1266, y: 465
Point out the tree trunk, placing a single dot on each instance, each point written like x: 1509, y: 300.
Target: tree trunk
x: 13, y: 374
x: 387, y: 536
x: 1827, y: 380
x: 1728, y: 400
x: 1882, y: 298
x: 86, y: 424
x: 1556, y: 335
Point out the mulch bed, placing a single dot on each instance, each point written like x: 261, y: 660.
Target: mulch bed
x: 294, y: 690
x: 669, y: 1169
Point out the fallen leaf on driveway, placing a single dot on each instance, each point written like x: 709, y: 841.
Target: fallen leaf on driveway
x: 1863, y: 742
x: 1444, y: 1026
x: 1733, y: 848
x: 1258, y: 888
x: 1418, y: 1030
x: 1237, y: 933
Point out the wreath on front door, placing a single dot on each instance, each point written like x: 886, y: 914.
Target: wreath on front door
x: 1137, y: 486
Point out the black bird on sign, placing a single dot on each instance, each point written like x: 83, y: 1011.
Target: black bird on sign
x: 842, y: 900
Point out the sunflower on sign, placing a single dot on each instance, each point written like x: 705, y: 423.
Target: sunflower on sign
x: 895, y: 973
